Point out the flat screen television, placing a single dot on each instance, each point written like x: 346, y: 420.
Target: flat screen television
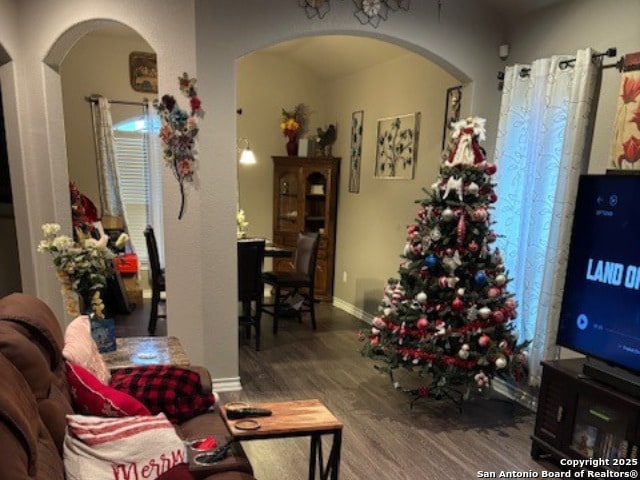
x: 600, y: 314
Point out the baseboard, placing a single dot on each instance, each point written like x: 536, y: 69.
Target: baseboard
x: 231, y: 384
x: 352, y: 310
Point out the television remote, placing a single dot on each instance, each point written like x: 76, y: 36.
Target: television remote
x: 244, y: 412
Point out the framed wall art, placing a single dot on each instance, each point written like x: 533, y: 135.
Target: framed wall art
x: 356, y: 151
x: 451, y: 112
x: 143, y: 72
x: 397, y: 146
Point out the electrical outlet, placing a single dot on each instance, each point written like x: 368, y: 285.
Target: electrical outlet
x: 344, y: 277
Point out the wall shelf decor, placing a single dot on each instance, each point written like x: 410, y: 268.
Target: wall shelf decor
x: 397, y: 146
x: 143, y: 72
x: 356, y: 151
x: 451, y: 112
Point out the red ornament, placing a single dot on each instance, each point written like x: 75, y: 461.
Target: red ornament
x: 457, y: 304
x: 493, y: 198
x: 422, y: 323
x: 490, y: 168
x: 493, y: 292
x: 498, y: 316
x: 423, y: 391
x: 374, y: 341
x: 442, y: 281
x: 484, y: 341
x: 462, y: 229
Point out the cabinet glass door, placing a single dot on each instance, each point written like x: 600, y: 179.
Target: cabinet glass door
x: 287, y: 206
x: 315, y: 215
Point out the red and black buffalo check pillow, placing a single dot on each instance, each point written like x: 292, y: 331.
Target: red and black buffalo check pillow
x: 174, y: 391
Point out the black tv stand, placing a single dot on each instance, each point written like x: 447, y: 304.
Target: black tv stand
x: 613, y: 376
x: 580, y: 417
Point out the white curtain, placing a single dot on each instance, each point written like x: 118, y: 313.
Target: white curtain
x: 155, y: 176
x: 542, y: 146
x: 110, y: 199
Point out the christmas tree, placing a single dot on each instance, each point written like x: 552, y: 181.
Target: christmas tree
x: 449, y: 316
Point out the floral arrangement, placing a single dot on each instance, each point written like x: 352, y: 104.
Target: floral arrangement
x: 179, y: 131
x: 82, y: 267
x: 294, y: 122
x: 241, y: 224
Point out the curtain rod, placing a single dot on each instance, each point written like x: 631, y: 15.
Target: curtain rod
x: 94, y: 99
x: 610, y: 52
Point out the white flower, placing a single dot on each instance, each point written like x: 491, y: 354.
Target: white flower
x: 122, y: 241
x: 50, y: 229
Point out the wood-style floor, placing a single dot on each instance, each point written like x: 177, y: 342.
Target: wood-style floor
x: 382, y: 437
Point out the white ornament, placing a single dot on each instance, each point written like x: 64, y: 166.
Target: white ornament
x: 460, y: 292
x: 421, y: 297
x: 485, y: 312
x: 453, y: 184
x: 501, y: 362
x: 500, y: 280
x: 435, y: 234
x: 375, y: 331
x: 451, y: 281
x: 447, y: 214
x: 472, y: 314
x: 473, y: 188
x: 463, y: 354
x: 452, y: 262
x: 387, y: 311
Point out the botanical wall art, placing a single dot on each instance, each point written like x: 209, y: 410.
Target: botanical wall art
x: 143, y: 72
x: 356, y: 151
x: 451, y: 112
x: 178, y: 133
x: 397, y: 146
x: 625, y: 147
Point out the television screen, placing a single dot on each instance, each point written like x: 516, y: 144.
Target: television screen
x: 600, y: 313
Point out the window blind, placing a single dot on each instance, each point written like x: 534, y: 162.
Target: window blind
x: 133, y: 171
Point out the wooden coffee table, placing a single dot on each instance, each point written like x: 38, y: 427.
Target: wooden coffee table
x: 297, y: 419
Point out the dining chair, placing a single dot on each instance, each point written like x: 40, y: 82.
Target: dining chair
x: 157, y: 278
x: 250, y: 286
x: 294, y: 290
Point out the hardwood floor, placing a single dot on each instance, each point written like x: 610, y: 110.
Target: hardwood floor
x: 382, y: 437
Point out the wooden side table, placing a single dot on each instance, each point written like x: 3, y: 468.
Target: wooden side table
x: 136, y: 351
x: 297, y: 419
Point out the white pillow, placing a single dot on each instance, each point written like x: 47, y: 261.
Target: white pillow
x: 80, y: 348
x: 130, y: 447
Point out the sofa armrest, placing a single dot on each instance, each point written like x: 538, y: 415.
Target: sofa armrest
x: 205, y: 377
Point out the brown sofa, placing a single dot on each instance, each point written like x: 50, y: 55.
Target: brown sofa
x: 34, y: 399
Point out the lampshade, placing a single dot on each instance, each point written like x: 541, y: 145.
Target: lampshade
x: 247, y: 157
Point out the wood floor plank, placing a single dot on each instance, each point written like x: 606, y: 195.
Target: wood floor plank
x: 382, y: 437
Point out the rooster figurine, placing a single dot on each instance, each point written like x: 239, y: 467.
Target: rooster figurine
x: 325, y: 140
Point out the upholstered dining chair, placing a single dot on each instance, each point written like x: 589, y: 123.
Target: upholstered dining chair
x: 250, y: 286
x: 157, y: 278
x: 294, y: 290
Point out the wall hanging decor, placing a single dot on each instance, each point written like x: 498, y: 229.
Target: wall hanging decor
x: 178, y: 133
x: 356, y: 151
x: 315, y: 8
x: 372, y: 12
x: 625, y: 146
x: 451, y: 112
x: 397, y: 146
x: 143, y: 72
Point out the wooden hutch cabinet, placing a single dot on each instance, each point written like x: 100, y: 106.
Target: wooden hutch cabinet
x: 305, y: 198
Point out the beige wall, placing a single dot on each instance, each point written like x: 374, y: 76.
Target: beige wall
x: 97, y: 64
x: 371, y: 229
x: 266, y: 84
x: 371, y: 224
x: 569, y: 26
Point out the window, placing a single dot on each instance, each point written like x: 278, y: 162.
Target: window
x: 135, y: 177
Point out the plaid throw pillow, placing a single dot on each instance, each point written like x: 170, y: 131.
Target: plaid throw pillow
x: 174, y: 391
